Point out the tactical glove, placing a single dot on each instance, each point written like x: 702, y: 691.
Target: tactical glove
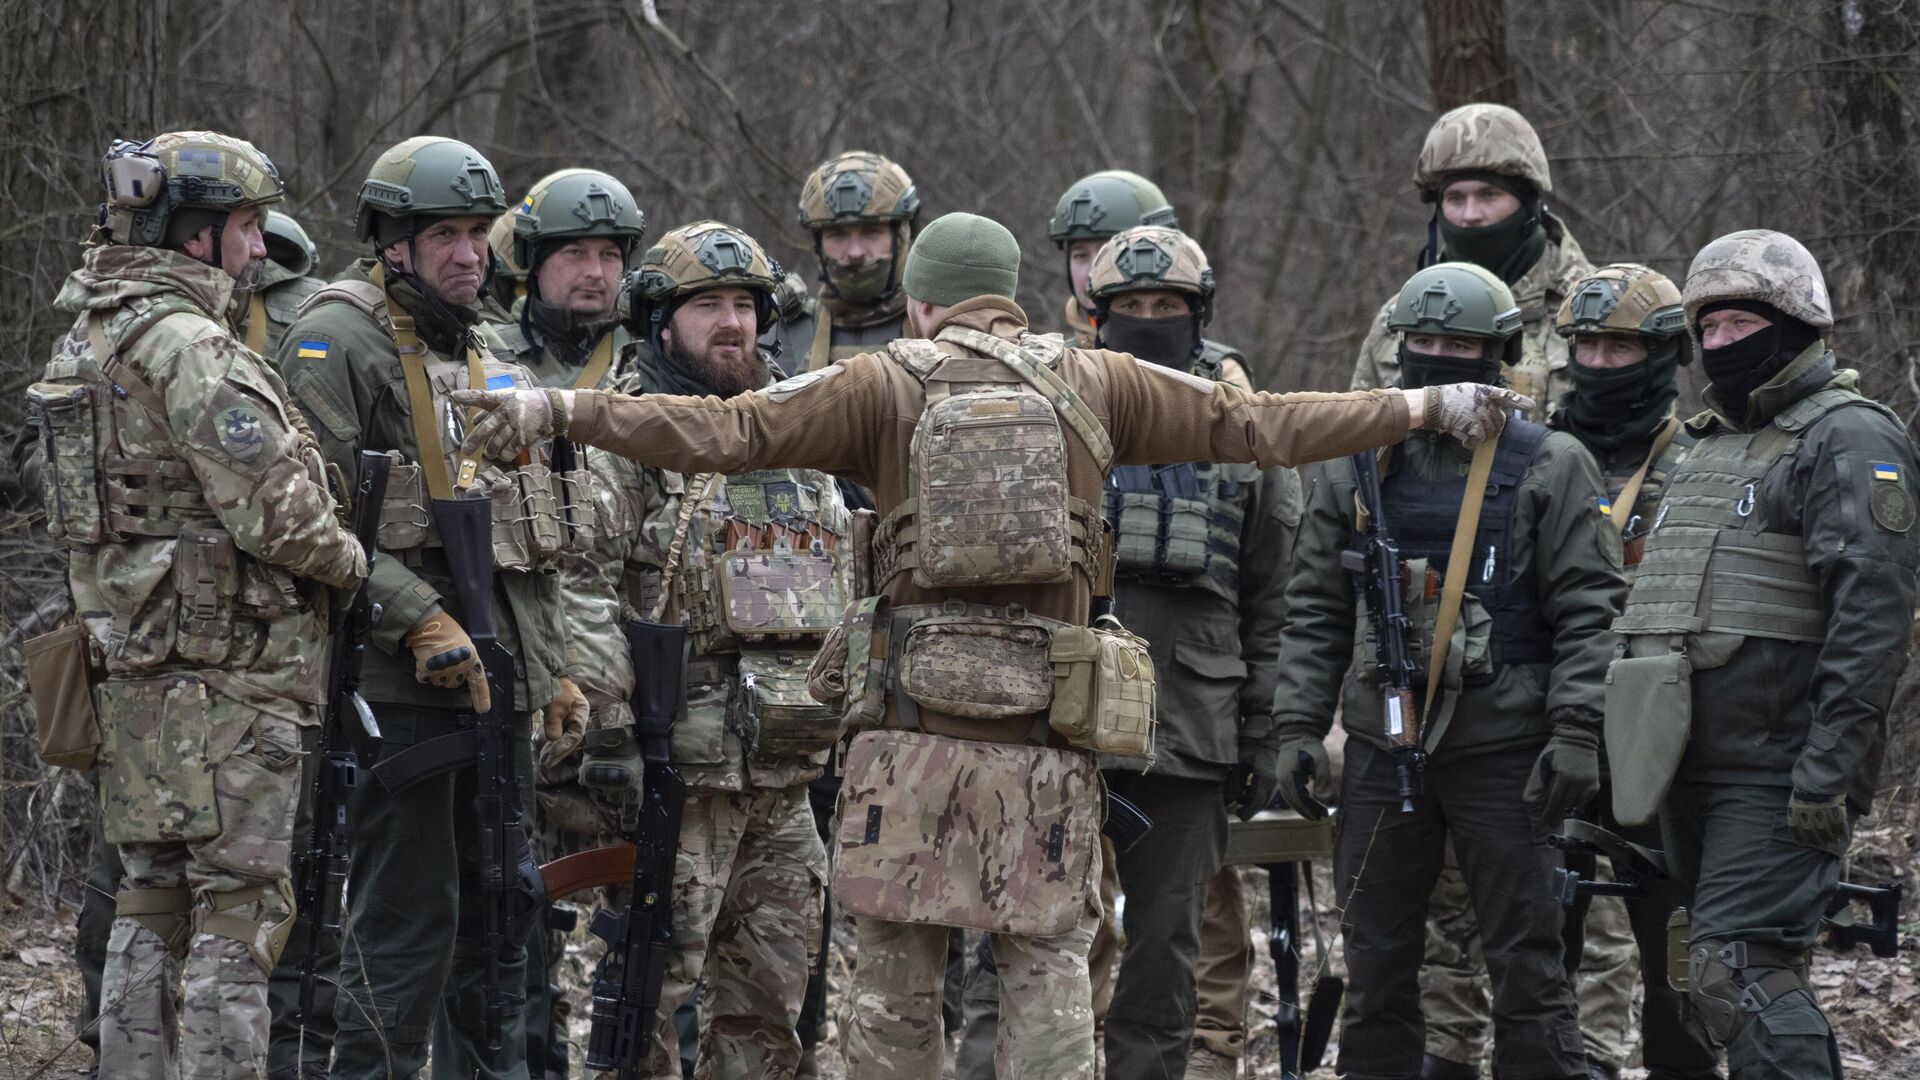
x: 444, y: 656
x: 567, y: 712
x: 1294, y: 757
x: 1470, y: 412
x: 1566, y: 776
x: 611, y: 769
x: 1818, y: 821
x: 515, y: 420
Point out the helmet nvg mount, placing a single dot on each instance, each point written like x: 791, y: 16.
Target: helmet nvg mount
x: 1624, y: 298
x: 694, y: 258
x: 148, y: 182
x: 1152, y: 257
x: 1455, y: 299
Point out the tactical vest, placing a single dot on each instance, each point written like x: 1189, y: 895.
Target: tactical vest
x: 762, y: 572
x: 1422, y: 513
x: 537, y: 513
x: 1712, y: 565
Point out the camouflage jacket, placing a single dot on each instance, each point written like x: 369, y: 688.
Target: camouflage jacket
x: 191, y: 499
x: 1542, y: 371
x: 345, y: 374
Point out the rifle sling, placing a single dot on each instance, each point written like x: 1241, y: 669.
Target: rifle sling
x: 1623, y: 506
x: 1465, y: 527
x: 401, y: 770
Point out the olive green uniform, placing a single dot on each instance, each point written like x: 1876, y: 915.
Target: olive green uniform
x: 1564, y: 554
x: 413, y: 852
x: 1789, y: 684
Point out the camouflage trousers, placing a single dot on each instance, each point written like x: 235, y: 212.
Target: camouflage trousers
x: 218, y: 1028
x: 747, y: 896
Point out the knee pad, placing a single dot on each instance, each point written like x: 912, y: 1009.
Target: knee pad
x: 163, y: 912
x: 264, y: 937
x: 1729, y: 982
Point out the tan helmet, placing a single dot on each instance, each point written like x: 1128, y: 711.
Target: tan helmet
x: 1481, y: 137
x: 1763, y: 265
x: 857, y: 186
x: 1151, y: 257
x: 500, y: 239
x: 181, y: 170
x: 696, y: 257
x: 1624, y: 298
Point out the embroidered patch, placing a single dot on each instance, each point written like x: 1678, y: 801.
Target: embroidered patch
x: 313, y: 349
x: 1885, y: 470
x: 792, y: 385
x: 1892, y: 507
x: 1611, y: 547
x: 240, y: 434
x: 1605, y: 504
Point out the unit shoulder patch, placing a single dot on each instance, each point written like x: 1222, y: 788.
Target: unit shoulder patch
x: 806, y: 380
x: 1892, y: 507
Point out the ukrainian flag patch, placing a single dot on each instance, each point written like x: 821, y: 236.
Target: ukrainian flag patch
x: 502, y: 381
x: 526, y: 205
x: 1605, y: 504
x: 313, y: 349
x: 1885, y: 470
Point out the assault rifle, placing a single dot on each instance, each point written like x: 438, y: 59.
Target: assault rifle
x: 512, y: 896
x: 321, y: 868
x: 1375, y: 565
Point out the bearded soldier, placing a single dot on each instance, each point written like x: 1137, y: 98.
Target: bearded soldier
x: 980, y: 599
x: 1772, y: 606
x: 1629, y: 339
x: 860, y: 209
x: 371, y: 361
x: 199, y: 532
x: 1510, y: 648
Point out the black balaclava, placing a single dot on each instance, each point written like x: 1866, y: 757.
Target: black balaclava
x: 1612, y: 407
x: 1737, y: 370
x: 1172, y: 342
x: 1508, y: 248
x: 1419, y: 369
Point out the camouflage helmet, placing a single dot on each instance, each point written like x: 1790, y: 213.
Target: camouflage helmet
x: 1624, y: 298
x: 500, y: 240
x: 1151, y: 257
x: 1481, y: 137
x: 1759, y: 264
x: 426, y: 176
x: 1108, y: 202
x: 288, y: 244
x: 857, y: 186
x: 1456, y: 299
x: 575, y: 203
x: 200, y: 170
x: 693, y: 258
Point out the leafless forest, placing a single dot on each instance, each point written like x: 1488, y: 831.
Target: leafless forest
x: 1283, y: 130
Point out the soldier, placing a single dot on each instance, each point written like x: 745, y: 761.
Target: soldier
x: 371, y: 360
x: 1095, y: 209
x: 859, y: 417
x: 199, y: 533
x: 1514, y: 740
x: 1629, y: 339
x: 860, y: 208
x: 284, y: 282
x: 1773, y: 605
x: 508, y: 283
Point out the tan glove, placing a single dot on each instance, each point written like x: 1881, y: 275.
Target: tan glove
x: 566, y: 712
x: 444, y: 656
x: 1471, y: 412
x: 515, y: 420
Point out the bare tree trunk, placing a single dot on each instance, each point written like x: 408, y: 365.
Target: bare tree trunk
x: 1467, y: 44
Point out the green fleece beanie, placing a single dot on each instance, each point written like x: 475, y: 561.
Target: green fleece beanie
x: 959, y: 257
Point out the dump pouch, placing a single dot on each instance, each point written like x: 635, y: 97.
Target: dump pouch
x: 1649, y: 715
x: 1103, y: 696
x: 978, y: 663
x: 782, y: 717
x: 996, y: 837
x: 60, y: 676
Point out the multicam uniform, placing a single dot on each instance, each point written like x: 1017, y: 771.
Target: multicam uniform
x: 199, y: 532
x: 852, y: 313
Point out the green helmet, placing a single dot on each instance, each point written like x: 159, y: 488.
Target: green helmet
x: 1098, y: 206
x: 694, y: 258
x: 1152, y: 257
x: 1624, y: 298
x: 425, y: 177
x: 857, y: 186
x: 1481, y: 137
x: 574, y: 203
x: 1459, y: 300
x: 289, y: 245
x: 147, y: 183
x: 1759, y: 264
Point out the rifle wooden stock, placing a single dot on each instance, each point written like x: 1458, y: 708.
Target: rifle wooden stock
x: 582, y: 870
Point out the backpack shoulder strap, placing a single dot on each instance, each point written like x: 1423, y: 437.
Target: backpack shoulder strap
x: 365, y: 295
x: 917, y: 355
x: 1035, y: 369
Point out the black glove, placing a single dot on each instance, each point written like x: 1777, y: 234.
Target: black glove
x: 1285, y: 761
x: 1566, y: 776
x: 1818, y: 821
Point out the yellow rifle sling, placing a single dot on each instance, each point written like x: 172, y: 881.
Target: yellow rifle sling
x: 413, y: 367
x: 1458, y: 558
x: 257, y: 323
x: 1623, y: 506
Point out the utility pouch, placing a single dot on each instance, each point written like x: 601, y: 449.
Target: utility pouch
x: 783, y: 719
x: 540, y: 511
x: 827, y: 674
x: 990, y: 470
x: 576, y: 494
x: 71, y: 435
x: 700, y: 733
x: 1649, y: 716
x: 60, y: 676
x: 403, y: 511
x: 860, y: 543
x: 862, y: 667
x: 780, y: 594
x: 1103, y: 696
x: 512, y: 537
x: 997, y: 837
x: 206, y: 578
x: 984, y: 666
x: 1679, y: 931
x: 162, y: 742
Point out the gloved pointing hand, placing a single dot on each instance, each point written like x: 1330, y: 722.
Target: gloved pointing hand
x: 444, y: 656
x: 515, y: 420
x: 1287, y: 760
x: 1566, y: 775
x: 1471, y: 412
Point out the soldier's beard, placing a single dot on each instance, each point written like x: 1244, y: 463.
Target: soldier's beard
x: 247, y: 281
x: 725, y: 376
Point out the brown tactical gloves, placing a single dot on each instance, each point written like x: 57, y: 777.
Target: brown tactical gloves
x: 444, y: 656
x: 515, y: 420
x: 1471, y: 412
x: 1295, y: 758
x: 1818, y: 821
x: 567, y: 712
x: 1566, y: 776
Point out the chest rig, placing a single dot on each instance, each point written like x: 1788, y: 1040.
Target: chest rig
x: 1713, y: 562
x: 1423, y: 513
